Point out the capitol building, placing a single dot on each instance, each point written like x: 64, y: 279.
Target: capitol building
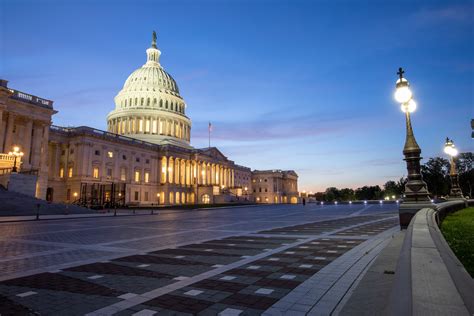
x: 144, y: 158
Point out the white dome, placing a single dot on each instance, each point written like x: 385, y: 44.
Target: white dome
x: 149, y: 106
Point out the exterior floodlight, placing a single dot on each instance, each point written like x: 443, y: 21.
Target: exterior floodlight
x: 15, y: 153
x: 450, y: 150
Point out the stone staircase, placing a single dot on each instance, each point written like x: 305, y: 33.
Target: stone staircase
x: 17, y: 204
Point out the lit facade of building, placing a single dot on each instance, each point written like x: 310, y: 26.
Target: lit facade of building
x: 145, y: 158
x: 275, y: 186
x: 24, y: 122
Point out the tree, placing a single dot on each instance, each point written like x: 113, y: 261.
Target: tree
x: 464, y: 166
x: 332, y: 194
x: 368, y: 193
x: 347, y: 194
x: 435, y: 173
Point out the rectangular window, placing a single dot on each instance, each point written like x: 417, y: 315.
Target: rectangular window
x: 137, y: 176
x: 124, y: 157
x: 69, y: 172
x: 137, y: 159
x: 110, y: 154
x: 146, y: 196
x: 147, y: 126
x: 123, y: 174
x: 68, y: 194
x: 109, y: 173
x: 97, y: 152
x: 147, y: 177
x: 61, y: 173
x: 95, y: 172
x: 136, y: 196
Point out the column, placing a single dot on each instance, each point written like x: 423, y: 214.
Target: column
x: 7, y: 144
x: 2, y: 131
x: 27, y: 144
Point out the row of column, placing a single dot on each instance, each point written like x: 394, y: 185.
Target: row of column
x: 191, y: 172
x: 32, y: 144
x: 149, y: 125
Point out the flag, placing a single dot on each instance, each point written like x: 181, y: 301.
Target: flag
x: 210, y: 127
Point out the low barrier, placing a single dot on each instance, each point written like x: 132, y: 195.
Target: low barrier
x: 429, y: 279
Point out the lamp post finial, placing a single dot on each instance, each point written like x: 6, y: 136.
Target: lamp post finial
x: 400, y: 73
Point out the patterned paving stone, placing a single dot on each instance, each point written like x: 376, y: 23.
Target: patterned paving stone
x: 58, y: 282
x: 111, y: 268
x: 9, y: 307
x: 158, y: 260
x: 179, y: 304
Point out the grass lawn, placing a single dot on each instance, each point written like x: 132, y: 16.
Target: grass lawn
x: 458, y: 229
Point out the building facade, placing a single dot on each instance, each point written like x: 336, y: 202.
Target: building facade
x: 145, y: 158
x: 24, y: 122
x: 275, y: 186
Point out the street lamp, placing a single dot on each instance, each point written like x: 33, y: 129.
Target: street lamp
x: 416, y: 192
x: 15, y: 153
x: 451, y: 151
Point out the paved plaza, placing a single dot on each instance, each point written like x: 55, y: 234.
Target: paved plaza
x: 271, y: 260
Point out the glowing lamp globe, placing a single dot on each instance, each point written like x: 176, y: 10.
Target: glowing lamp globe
x: 403, y: 93
x: 410, y: 106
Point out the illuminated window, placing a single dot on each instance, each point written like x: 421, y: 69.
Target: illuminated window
x: 147, y: 177
x: 137, y: 176
x: 147, y: 126
x: 123, y: 174
x: 205, y: 199
x: 61, y: 172
x: 69, y: 172
x: 110, y: 154
x: 95, y: 172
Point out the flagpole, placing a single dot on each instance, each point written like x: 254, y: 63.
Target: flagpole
x: 209, y: 134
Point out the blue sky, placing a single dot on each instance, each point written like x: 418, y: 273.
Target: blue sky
x: 303, y: 85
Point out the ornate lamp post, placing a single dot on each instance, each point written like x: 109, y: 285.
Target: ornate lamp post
x: 416, y: 192
x: 451, y: 150
x: 15, y: 153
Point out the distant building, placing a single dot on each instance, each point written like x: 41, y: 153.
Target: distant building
x: 145, y: 157
x: 275, y: 186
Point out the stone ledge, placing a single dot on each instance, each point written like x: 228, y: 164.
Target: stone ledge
x: 429, y: 278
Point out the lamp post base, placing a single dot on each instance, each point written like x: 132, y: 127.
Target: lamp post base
x: 407, y: 210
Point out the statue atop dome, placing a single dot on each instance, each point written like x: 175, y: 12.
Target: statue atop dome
x: 153, y: 42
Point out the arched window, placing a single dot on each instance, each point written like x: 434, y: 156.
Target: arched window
x: 205, y: 199
x: 172, y: 106
x: 166, y: 104
x: 148, y: 102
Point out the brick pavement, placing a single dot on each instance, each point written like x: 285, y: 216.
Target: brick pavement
x: 234, y: 273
